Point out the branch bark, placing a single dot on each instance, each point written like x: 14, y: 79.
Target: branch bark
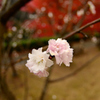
x: 4, y: 89
x: 82, y: 18
x: 80, y: 29
x: 76, y: 71
x: 4, y: 4
x: 12, y: 10
x: 69, y: 14
x: 46, y: 85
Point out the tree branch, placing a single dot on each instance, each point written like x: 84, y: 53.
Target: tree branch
x: 82, y: 18
x: 69, y: 14
x: 26, y: 88
x: 12, y: 10
x: 76, y: 71
x: 4, y: 4
x: 46, y: 84
x: 85, y: 35
x: 80, y: 29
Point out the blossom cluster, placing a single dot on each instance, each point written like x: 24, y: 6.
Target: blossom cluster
x: 91, y: 8
x: 39, y: 61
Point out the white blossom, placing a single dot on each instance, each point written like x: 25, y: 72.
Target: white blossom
x: 50, y: 14
x: 80, y: 12
x: 38, y: 62
x: 92, y: 7
x: 43, y: 9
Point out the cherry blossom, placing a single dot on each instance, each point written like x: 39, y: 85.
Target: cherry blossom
x: 92, y: 7
x: 80, y: 12
x: 61, y: 50
x: 38, y: 62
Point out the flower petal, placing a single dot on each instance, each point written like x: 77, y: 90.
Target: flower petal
x: 49, y: 63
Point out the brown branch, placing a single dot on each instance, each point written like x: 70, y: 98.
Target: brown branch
x: 77, y: 31
x: 26, y: 88
x: 21, y: 59
x: 83, y: 34
x: 2, y: 30
x: 67, y: 36
x: 4, y: 5
x: 82, y: 18
x: 80, y: 7
x: 25, y: 57
x: 69, y: 14
x: 81, y: 28
x: 84, y: 3
x: 8, y: 95
x: 76, y: 71
x: 12, y: 10
x: 46, y: 84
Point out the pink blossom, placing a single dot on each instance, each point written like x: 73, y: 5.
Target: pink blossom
x: 38, y: 62
x: 61, y: 50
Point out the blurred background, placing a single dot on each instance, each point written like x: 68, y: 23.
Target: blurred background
x: 28, y: 24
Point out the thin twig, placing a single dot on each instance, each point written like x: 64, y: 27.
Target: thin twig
x: 76, y: 71
x: 67, y: 36
x: 81, y: 28
x: 21, y: 59
x: 25, y: 56
x: 80, y: 7
x: 83, y: 34
x: 82, y: 18
x: 69, y: 14
x: 84, y: 2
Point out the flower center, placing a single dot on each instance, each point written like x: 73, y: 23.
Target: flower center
x: 41, y: 61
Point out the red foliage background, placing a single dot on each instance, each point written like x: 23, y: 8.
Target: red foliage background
x: 51, y: 13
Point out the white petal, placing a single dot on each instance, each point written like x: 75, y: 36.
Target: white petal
x: 30, y: 55
x: 58, y: 60
x: 67, y: 57
x: 45, y: 55
x: 40, y: 49
x: 49, y: 63
x: 34, y: 51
